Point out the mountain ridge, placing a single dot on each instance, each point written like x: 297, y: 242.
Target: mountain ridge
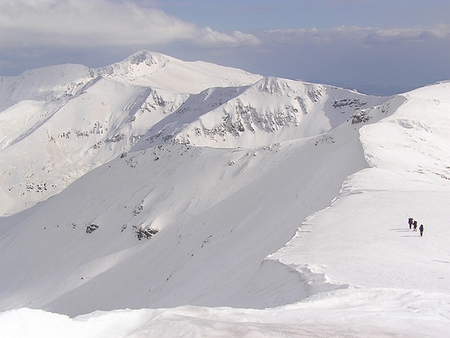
x: 98, y: 115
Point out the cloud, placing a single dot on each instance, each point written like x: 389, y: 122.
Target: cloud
x: 209, y: 37
x: 408, y: 35
x: 32, y: 23
x: 406, y: 57
x: 359, y: 35
x: 315, y: 36
x: 37, y: 33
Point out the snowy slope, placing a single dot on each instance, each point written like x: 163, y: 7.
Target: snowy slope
x: 299, y: 230
x: 409, y: 177
x: 44, y: 84
x: 219, y: 213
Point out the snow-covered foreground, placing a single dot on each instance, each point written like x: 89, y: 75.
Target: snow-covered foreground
x: 345, y: 313
x: 303, y: 237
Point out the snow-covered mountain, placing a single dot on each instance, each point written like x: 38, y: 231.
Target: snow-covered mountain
x: 67, y: 120
x: 185, y: 183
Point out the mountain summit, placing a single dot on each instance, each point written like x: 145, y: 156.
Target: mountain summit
x: 163, y: 72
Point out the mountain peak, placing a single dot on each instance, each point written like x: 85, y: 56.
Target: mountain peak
x: 269, y: 84
x: 141, y: 63
x: 147, y: 57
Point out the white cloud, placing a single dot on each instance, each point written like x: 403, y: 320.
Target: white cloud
x: 209, y: 37
x: 33, y: 23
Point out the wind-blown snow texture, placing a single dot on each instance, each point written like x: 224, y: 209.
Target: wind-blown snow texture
x: 219, y: 203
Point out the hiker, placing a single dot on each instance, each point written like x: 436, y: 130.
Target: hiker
x: 410, y: 222
x: 415, y: 225
x: 421, y: 230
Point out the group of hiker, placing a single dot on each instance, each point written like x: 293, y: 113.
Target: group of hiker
x: 413, y: 225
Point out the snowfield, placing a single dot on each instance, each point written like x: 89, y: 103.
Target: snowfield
x: 155, y: 197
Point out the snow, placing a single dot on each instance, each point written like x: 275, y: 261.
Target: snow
x: 295, y: 225
x: 355, y: 313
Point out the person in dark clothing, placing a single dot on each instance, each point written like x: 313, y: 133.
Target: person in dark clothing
x: 410, y: 222
x: 421, y: 230
x: 415, y: 225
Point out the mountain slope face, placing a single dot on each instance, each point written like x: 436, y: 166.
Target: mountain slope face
x: 58, y: 123
x: 191, y: 189
x: 268, y: 111
x: 212, y: 216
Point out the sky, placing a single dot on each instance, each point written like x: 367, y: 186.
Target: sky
x: 374, y: 45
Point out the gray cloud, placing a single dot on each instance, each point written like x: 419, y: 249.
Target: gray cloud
x: 359, y: 35
x: 408, y: 35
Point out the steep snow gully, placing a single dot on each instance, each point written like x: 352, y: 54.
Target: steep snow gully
x: 125, y: 187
